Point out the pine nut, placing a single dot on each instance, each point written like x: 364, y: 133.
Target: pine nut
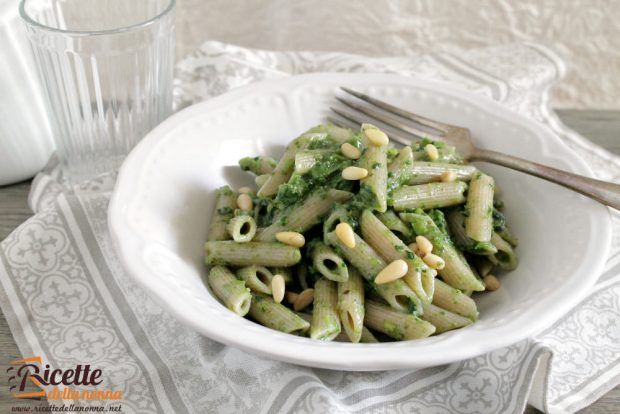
x: 292, y: 238
x: 245, y: 190
x: 354, y: 173
x: 448, y: 176
x: 434, y: 261
x: 260, y: 180
x: 344, y: 231
x: 424, y: 245
x: 491, y: 283
x: 304, y: 299
x: 350, y: 151
x: 432, y: 152
x: 376, y: 137
x: 291, y: 297
x: 395, y: 270
x: 244, y: 202
x: 277, y: 288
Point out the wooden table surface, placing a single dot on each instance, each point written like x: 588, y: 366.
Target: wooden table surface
x: 602, y: 127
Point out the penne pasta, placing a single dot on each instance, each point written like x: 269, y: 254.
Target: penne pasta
x: 351, y: 305
x: 399, y: 171
x: 427, y: 172
x: 306, y: 215
x: 479, y: 207
x: 325, y: 324
x: 456, y: 223
x: 394, y: 223
x: 328, y: 263
x: 374, y: 160
x: 442, y: 319
x: 231, y: 291
x: 505, y: 258
x: 276, y: 316
x: 230, y: 253
x: 454, y: 300
x: 241, y: 228
x: 257, y: 278
x: 225, y: 205
x: 424, y: 196
x: 395, y: 324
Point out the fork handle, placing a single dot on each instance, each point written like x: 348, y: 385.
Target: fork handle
x: 604, y: 192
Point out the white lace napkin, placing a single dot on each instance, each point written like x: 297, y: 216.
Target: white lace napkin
x: 67, y: 298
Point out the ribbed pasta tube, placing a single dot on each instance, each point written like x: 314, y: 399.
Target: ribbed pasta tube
x: 327, y: 262
x: 427, y: 172
x: 374, y: 159
x: 425, y: 196
x: 395, y: 324
x: 442, y: 319
x: 306, y: 215
x: 257, y: 278
x: 479, y: 220
x: 351, y: 305
x: 231, y: 253
x: 242, y: 228
x: 394, y: 223
x: 276, y: 316
x: 230, y: 290
x: 225, y: 205
x: 454, y: 300
x: 505, y: 258
x: 456, y: 222
x: 399, y: 170
x: 325, y: 324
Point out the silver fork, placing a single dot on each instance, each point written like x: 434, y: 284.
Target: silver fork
x: 604, y: 192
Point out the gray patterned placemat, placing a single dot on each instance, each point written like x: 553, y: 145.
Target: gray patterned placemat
x: 67, y: 298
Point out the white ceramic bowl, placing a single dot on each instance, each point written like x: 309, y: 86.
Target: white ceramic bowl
x: 163, y: 200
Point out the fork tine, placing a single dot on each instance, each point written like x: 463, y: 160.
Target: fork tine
x: 342, y: 122
x: 358, y: 120
x: 388, y: 119
x: 440, y: 126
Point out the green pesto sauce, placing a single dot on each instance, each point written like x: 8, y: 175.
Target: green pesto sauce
x: 499, y: 221
x: 325, y: 142
x: 224, y: 211
x: 363, y: 200
x: 326, y: 173
x: 255, y: 164
x: 391, y: 154
x: 225, y: 191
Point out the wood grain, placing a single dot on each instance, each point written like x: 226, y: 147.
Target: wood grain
x: 602, y: 127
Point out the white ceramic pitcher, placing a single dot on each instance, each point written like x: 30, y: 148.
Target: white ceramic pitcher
x: 25, y: 135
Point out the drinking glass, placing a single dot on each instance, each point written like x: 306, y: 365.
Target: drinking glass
x: 107, y: 68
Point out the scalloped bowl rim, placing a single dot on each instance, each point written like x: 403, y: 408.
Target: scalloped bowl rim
x: 336, y: 355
